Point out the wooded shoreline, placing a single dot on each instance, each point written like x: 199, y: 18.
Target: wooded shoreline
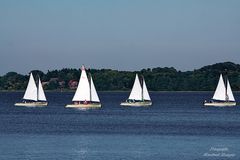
x: 157, y: 79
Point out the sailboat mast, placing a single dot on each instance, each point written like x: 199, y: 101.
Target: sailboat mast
x: 226, y: 80
x: 90, y: 85
x: 38, y: 87
x: 142, y: 87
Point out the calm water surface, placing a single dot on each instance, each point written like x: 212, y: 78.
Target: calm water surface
x: 176, y: 127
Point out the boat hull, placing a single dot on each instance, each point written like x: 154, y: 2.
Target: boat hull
x: 32, y: 104
x: 137, y: 104
x: 84, y: 106
x: 220, y: 104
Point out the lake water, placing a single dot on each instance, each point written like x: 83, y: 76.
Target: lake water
x: 176, y: 127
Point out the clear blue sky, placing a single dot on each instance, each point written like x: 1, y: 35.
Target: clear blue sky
x: 117, y: 34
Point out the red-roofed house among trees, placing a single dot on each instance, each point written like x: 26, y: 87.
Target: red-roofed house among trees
x: 73, y: 84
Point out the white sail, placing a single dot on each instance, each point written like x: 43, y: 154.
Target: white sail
x: 83, y: 91
x: 94, y: 95
x: 220, y: 92
x: 31, y: 91
x: 41, y: 94
x: 145, y: 92
x: 229, y: 92
x: 136, y: 92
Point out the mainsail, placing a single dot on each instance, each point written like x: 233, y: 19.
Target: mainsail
x: 41, y: 94
x: 220, y: 90
x: 83, y: 90
x: 31, y: 91
x: 136, y: 92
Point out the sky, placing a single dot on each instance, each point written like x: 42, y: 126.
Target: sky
x: 117, y: 34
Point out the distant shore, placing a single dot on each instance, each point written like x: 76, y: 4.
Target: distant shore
x: 157, y: 79
x: 73, y: 91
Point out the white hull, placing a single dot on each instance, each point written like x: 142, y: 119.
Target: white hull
x: 136, y: 104
x: 84, y: 106
x: 220, y: 104
x: 32, y: 104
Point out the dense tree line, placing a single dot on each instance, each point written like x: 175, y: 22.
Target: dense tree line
x: 157, y: 79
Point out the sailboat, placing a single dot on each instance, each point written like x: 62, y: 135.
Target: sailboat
x: 223, y: 95
x: 86, y: 95
x: 139, y: 95
x: 34, y: 96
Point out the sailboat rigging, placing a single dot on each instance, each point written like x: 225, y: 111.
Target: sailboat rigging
x: 34, y: 94
x: 86, y: 95
x: 223, y: 95
x: 139, y: 95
